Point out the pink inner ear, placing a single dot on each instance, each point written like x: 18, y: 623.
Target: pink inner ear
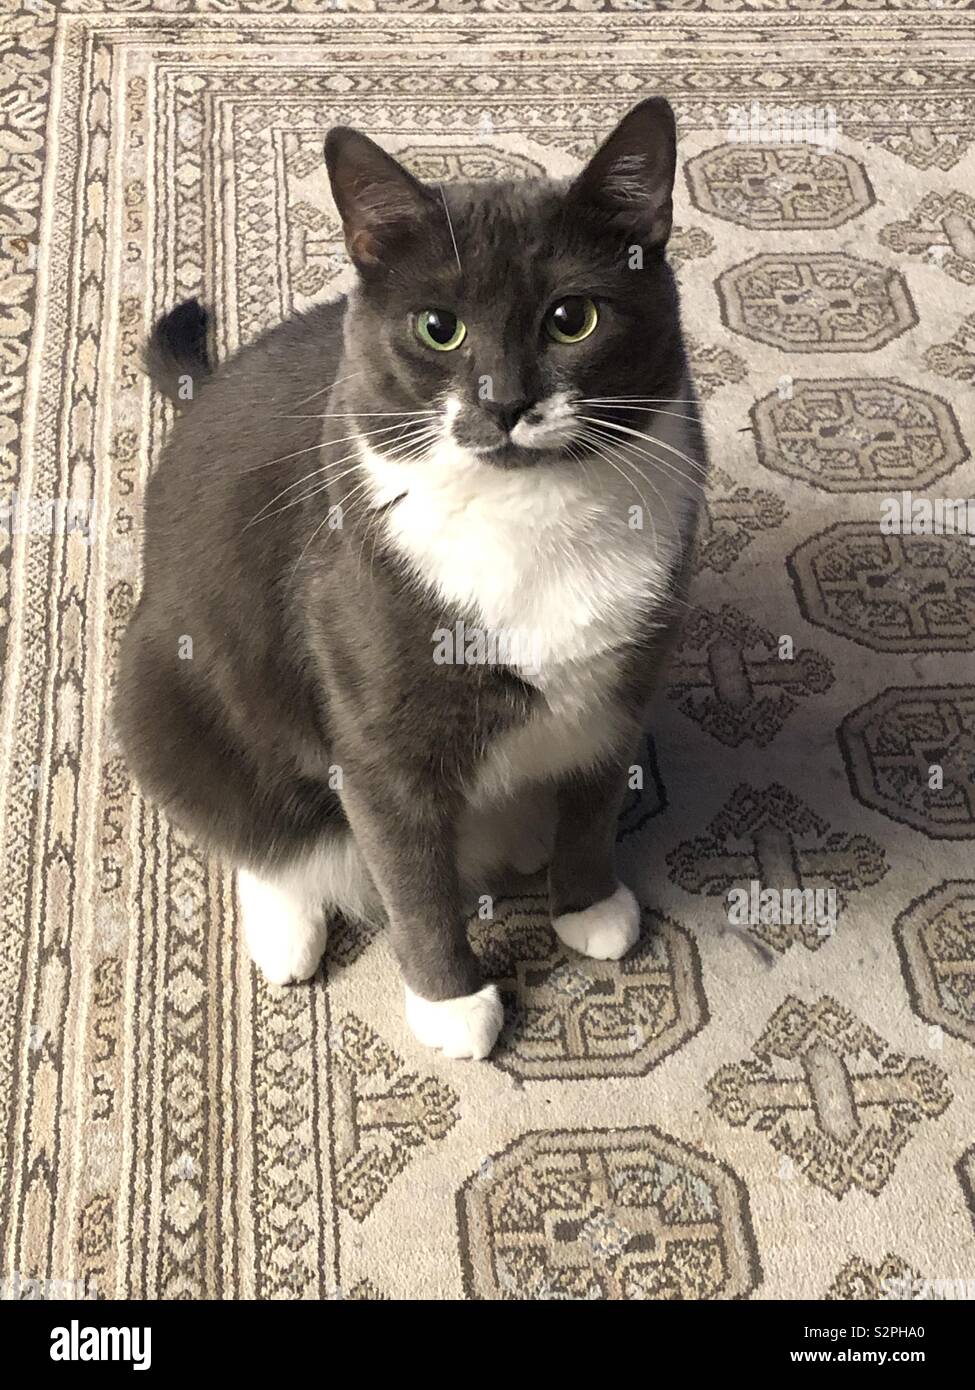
x: 364, y: 248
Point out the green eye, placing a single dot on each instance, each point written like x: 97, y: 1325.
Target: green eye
x: 572, y: 319
x: 440, y: 329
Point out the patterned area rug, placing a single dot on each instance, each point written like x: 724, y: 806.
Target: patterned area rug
x: 765, y: 1109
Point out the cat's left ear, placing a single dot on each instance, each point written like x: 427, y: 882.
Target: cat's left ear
x: 379, y: 201
x: 631, y: 176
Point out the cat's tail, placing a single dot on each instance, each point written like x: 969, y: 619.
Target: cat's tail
x: 176, y: 356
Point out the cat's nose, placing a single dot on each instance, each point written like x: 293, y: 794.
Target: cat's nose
x: 507, y: 413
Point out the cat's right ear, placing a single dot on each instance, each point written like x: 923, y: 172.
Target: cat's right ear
x: 378, y: 200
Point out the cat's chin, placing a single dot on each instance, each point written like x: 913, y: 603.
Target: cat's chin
x: 511, y: 456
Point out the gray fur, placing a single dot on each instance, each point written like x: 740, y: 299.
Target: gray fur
x: 311, y: 647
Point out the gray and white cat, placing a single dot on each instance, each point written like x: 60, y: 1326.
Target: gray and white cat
x: 496, y: 427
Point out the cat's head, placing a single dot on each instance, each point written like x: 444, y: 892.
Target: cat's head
x: 513, y: 311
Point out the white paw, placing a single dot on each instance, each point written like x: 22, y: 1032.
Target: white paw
x: 605, y: 931
x: 464, y: 1027
x: 286, y: 942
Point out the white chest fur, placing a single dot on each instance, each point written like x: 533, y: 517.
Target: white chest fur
x: 562, y: 562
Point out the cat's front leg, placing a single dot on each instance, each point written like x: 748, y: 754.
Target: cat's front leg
x: 592, y: 911
x: 408, y: 844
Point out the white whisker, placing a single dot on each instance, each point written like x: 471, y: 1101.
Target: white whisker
x: 338, y: 382
x: 361, y: 415
x: 358, y: 488
x: 607, y: 458
x: 443, y: 199
x: 649, y: 438
x: 325, y: 468
x: 322, y: 444
x: 612, y: 404
x: 671, y: 469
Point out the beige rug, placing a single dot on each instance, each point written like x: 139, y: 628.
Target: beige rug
x: 768, y: 1112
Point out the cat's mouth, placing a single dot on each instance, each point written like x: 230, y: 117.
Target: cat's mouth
x: 508, y: 454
